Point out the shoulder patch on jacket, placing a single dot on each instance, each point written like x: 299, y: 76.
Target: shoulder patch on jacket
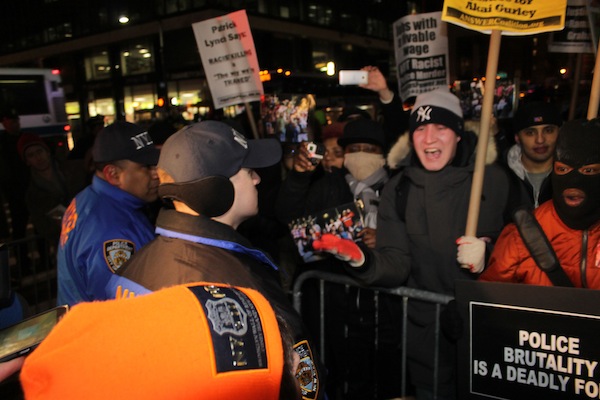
x: 306, y: 373
x: 117, y: 252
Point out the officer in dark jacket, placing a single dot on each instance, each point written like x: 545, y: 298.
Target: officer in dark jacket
x: 207, y: 170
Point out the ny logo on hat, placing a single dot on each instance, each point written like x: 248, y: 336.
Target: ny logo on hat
x: 141, y: 140
x: 238, y: 137
x: 424, y: 114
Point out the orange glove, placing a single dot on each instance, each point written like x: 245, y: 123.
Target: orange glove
x: 343, y: 249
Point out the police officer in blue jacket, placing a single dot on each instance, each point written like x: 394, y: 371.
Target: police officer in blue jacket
x: 105, y: 224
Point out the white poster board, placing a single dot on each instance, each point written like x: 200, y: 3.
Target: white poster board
x: 229, y: 59
x: 421, y: 46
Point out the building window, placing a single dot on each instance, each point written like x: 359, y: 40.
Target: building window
x: 140, y: 100
x: 319, y: 14
x: 378, y: 28
x: 137, y: 58
x: 97, y: 65
x: 190, y: 97
x: 103, y: 106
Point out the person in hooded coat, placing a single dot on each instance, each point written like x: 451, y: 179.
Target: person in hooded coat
x: 421, y: 219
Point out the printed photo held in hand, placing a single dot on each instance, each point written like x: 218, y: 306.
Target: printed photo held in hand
x: 344, y: 222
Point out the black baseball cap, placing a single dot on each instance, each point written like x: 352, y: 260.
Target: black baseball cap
x: 125, y: 141
x: 214, y: 148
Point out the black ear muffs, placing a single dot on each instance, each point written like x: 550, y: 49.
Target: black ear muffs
x: 211, y: 196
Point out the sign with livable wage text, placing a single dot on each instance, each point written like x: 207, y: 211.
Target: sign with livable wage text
x: 229, y: 59
x: 421, y: 47
x: 512, y: 17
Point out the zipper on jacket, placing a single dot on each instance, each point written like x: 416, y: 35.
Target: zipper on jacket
x: 584, y: 241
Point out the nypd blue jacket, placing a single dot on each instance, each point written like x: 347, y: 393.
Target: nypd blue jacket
x: 101, y: 229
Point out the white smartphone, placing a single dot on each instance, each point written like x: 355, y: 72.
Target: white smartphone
x: 348, y: 77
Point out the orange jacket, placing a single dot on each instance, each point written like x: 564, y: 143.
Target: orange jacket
x: 511, y: 262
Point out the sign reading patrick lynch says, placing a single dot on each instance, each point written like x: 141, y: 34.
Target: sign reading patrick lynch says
x: 421, y: 44
x: 229, y: 59
x: 548, y: 347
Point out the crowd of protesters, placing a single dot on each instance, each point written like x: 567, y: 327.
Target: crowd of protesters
x: 216, y: 207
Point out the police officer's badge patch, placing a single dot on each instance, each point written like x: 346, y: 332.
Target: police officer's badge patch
x: 306, y: 372
x: 117, y: 252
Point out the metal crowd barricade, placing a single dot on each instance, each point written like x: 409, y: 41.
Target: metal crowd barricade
x: 32, y: 266
x: 406, y: 293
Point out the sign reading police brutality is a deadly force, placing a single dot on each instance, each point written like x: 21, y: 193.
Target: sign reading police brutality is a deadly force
x: 528, y: 342
x: 512, y: 17
x: 421, y: 44
x: 229, y: 59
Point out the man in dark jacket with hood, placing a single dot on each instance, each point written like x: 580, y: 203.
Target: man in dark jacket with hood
x: 422, y: 213
x: 530, y: 159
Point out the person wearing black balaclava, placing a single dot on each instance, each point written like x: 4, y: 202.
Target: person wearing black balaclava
x: 570, y: 221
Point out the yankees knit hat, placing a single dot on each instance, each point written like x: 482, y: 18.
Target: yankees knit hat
x: 194, y: 341
x: 437, y: 107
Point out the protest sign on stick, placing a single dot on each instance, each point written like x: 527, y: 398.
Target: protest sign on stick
x: 482, y: 140
x: 421, y: 46
x: 229, y: 59
x: 576, y: 38
x: 594, y: 95
x: 497, y: 17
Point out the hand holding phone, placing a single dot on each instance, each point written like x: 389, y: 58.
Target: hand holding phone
x: 316, y: 152
x: 348, y: 77
x: 23, y: 337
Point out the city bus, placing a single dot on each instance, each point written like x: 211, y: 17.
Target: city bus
x: 37, y: 97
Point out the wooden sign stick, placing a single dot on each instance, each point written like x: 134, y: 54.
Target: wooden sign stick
x: 484, y: 130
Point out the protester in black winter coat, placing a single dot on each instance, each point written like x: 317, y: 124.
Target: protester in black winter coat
x: 357, y: 369
x: 421, y: 218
